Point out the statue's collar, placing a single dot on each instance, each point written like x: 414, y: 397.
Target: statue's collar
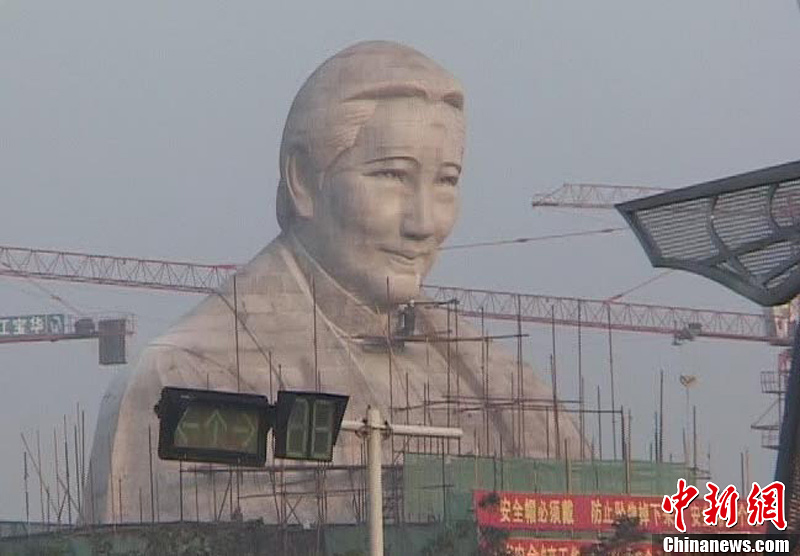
x: 338, y: 306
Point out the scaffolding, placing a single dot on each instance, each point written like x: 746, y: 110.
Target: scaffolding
x: 428, y: 480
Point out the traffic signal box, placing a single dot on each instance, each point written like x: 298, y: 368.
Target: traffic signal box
x: 231, y: 428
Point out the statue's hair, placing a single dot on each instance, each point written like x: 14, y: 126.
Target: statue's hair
x: 341, y: 96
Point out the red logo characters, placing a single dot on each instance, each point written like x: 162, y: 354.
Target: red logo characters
x: 763, y: 504
x: 679, y: 502
x: 722, y: 506
x: 766, y: 505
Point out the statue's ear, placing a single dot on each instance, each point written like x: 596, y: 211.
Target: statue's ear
x: 300, y: 182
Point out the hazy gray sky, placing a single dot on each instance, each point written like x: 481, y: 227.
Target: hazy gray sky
x: 152, y: 129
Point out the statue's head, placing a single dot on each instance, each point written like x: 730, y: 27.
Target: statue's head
x: 370, y: 163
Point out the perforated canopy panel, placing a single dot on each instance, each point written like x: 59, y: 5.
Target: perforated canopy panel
x: 742, y: 231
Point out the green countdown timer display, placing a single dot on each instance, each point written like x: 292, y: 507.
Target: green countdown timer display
x: 307, y: 424
x: 210, y: 426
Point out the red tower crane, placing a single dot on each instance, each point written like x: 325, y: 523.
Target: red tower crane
x: 680, y: 322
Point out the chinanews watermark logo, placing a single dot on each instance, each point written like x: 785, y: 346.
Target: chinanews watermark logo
x: 726, y: 544
x: 763, y: 505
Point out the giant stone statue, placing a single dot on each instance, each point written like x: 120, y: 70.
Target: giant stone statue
x: 369, y: 189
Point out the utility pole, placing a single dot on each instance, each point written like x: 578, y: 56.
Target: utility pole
x: 374, y: 428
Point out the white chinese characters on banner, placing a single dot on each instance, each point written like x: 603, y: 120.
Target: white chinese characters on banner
x: 32, y: 325
x: 35, y: 325
x: 55, y: 324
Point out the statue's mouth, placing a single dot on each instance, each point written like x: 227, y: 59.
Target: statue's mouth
x: 405, y: 258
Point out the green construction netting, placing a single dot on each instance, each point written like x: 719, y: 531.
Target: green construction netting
x: 436, y: 487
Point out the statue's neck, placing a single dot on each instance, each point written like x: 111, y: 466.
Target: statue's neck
x: 339, y: 306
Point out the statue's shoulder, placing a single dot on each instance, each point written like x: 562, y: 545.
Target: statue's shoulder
x: 271, y: 263
x: 264, y: 274
x: 200, y: 343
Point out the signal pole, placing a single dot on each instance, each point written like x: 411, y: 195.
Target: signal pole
x: 375, y: 429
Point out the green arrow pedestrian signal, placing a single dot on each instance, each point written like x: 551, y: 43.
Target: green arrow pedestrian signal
x: 214, y: 427
x: 307, y: 424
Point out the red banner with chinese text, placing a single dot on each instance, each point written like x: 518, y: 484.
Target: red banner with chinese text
x: 569, y: 547
x: 593, y: 512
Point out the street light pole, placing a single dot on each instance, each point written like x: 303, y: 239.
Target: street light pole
x: 374, y: 428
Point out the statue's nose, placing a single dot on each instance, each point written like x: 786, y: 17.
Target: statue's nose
x: 418, y: 222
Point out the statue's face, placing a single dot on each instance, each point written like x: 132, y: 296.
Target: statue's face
x: 386, y: 204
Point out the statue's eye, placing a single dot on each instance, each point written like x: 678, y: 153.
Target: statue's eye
x: 452, y: 181
x: 390, y: 174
